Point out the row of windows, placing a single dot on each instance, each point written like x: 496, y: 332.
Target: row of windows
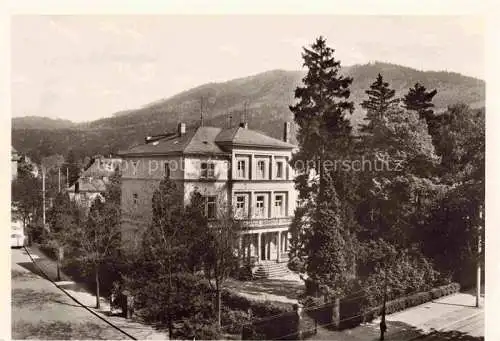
x: 261, y: 169
x: 260, y: 206
x: 208, y: 170
x: 210, y: 205
x: 241, y: 206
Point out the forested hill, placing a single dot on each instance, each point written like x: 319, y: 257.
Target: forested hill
x: 267, y: 97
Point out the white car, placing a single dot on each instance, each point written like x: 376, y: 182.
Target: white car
x: 17, y: 236
x: 17, y: 239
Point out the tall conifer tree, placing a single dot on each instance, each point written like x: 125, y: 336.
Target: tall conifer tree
x: 324, y: 132
x: 420, y: 100
x: 321, y: 113
x: 380, y: 99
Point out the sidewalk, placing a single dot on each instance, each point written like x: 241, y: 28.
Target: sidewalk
x: 454, y: 313
x: 81, y: 293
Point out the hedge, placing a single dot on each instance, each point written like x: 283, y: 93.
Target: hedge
x: 259, y: 308
x: 352, y: 312
x: 271, y: 320
x: 412, y: 300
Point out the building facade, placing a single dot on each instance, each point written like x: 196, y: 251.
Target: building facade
x: 14, y: 160
x: 93, y: 180
x: 240, y: 167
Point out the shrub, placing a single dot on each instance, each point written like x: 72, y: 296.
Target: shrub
x: 244, y: 271
x: 410, y: 273
x: 271, y: 320
x: 234, y: 320
x: 37, y: 233
x: 259, y: 308
x: 412, y: 300
x: 311, y: 288
x: 296, y: 264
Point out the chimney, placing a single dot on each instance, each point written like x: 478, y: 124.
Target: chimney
x: 244, y: 125
x: 286, y: 132
x: 181, y: 129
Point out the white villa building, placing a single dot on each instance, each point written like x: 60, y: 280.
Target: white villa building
x: 246, y: 168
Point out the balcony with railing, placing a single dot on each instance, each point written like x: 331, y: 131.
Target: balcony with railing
x: 266, y: 222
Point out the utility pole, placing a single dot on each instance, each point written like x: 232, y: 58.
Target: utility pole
x: 67, y: 177
x: 43, y: 195
x: 478, y: 276
x: 201, y: 111
x: 245, y: 111
x: 59, y: 177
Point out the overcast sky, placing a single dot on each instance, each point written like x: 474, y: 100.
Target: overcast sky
x: 87, y: 67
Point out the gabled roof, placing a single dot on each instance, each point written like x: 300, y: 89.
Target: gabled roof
x: 206, y: 140
x: 101, y: 167
x: 240, y: 136
x: 198, y: 141
x: 89, y: 185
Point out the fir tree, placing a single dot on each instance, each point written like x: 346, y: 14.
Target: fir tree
x: 322, y: 110
x: 324, y: 133
x: 380, y: 99
x: 420, y: 100
x: 162, y: 248
x: 330, y: 246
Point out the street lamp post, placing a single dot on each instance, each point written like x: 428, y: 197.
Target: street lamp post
x: 478, y: 275
x: 383, y: 325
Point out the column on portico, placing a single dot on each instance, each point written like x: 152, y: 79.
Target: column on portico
x: 279, y: 246
x: 271, y: 203
x: 250, y: 204
x: 258, y: 246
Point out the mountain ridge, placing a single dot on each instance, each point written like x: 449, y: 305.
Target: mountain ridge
x: 267, y: 95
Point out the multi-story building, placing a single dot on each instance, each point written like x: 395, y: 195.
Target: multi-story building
x: 14, y: 160
x: 244, y: 168
x: 93, y: 180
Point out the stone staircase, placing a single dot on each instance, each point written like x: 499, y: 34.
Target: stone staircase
x: 272, y: 270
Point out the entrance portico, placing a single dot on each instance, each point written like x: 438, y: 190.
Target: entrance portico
x: 266, y: 245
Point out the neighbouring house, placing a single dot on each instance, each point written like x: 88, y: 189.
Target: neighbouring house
x: 93, y: 180
x: 27, y: 160
x: 239, y: 166
x: 15, y: 158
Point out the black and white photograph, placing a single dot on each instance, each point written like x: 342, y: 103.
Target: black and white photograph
x: 247, y: 177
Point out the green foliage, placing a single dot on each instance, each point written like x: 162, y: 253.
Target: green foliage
x: 26, y: 195
x: 259, y: 309
x: 420, y: 100
x: 298, y: 232
x: 413, y: 300
x: 191, y: 307
x: 321, y: 115
x: 451, y: 232
x: 403, y: 273
x: 461, y: 143
x: 380, y: 99
x: 331, y: 247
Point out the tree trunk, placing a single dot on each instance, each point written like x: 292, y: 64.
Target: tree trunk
x: 219, y: 300
x: 98, y: 303
x: 336, y: 313
x: 170, y: 326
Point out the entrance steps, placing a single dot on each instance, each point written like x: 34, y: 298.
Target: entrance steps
x: 272, y: 269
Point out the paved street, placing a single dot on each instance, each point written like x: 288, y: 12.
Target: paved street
x: 42, y: 311
x: 452, y: 317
